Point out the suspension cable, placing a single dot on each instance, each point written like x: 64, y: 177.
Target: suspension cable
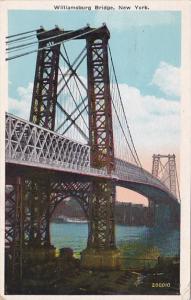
x: 123, y: 107
x: 74, y: 76
x: 120, y: 120
x: 22, y: 33
x: 50, y: 46
x: 68, y: 115
x: 177, y: 183
x: 81, y: 131
x: 49, y: 39
x: 74, y: 62
x: 123, y: 132
x: 28, y: 37
x: 73, y: 98
x: 73, y: 71
x: 73, y: 122
x: 17, y: 50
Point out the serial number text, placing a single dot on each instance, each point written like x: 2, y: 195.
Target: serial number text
x: 160, y: 284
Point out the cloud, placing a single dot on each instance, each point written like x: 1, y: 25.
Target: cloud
x: 121, y: 21
x: 21, y: 106
x: 167, y: 78
x: 154, y: 122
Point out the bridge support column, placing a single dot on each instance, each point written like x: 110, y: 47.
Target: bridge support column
x: 37, y: 208
x: 14, y: 229
x: 28, y: 217
x: 162, y: 215
x: 101, y: 252
x: 97, y: 259
x: 151, y: 213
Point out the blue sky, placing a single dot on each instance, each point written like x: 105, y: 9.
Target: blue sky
x: 139, y: 42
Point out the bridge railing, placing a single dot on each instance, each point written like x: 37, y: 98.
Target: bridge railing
x: 30, y: 143
x: 27, y: 141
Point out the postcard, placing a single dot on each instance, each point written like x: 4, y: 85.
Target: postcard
x: 95, y: 156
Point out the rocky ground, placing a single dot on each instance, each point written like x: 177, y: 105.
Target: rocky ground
x: 64, y: 276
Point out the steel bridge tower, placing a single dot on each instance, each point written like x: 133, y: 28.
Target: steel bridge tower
x: 164, y: 168
x: 101, y: 251
x: 34, y: 191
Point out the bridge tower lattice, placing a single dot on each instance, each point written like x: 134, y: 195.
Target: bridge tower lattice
x: 164, y: 168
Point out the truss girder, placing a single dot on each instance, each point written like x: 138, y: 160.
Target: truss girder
x: 28, y: 142
x: 129, y: 172
x: 78, y: 190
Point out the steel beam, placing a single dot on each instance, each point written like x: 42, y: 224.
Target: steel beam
x: 14, y: 233
x: 44, y: 97
x: 99, y: 103
x: 101, y: 250
x: 101, y: 140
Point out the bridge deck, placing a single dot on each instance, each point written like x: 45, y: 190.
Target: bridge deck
x: 29, y: 145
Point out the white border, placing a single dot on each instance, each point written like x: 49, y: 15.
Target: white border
x: 185, y: 160
x: 185, y: 152
x: 3, y: 97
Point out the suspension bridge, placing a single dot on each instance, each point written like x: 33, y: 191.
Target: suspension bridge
x: 77, y: 142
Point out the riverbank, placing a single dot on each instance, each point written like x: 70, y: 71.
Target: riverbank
x: 149, y: 257
x: 64, y: 276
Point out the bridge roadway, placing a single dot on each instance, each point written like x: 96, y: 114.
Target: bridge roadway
x: 30, y: 146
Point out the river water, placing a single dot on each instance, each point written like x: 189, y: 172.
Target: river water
x: 142, y: 242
